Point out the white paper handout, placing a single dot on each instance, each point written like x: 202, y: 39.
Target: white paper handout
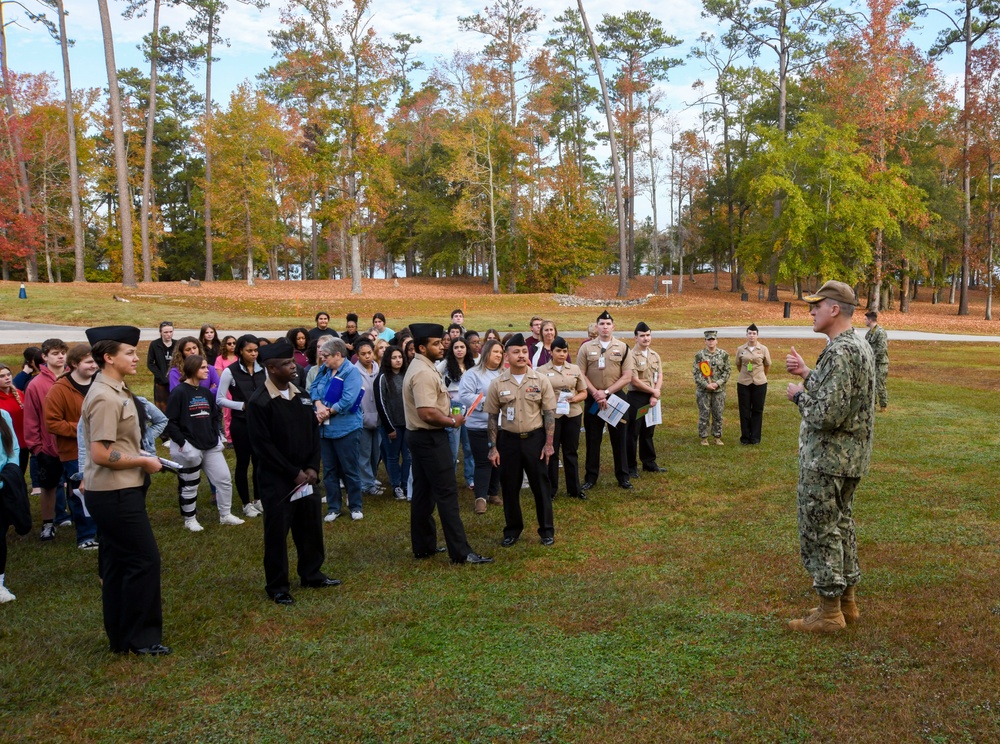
x: 617, y: 407
x: 562, y: 405
x: 654, y: 416
x: 300, y: 492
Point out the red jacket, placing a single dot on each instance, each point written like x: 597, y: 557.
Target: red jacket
x: 13, y: 403
x: 36, y: 436
x: 62, y: 413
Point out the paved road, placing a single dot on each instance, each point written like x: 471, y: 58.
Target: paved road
x: 14, y: 332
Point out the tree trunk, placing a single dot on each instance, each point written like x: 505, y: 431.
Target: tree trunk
x: 655, y: 237
x: 622, y: 243
x: 147, y: 160
x: 121, y: 163
x: 74, y: 168
x: 963, y: 302
x: 209, y: 248
x: 24, y: 195
x: 904, y: 287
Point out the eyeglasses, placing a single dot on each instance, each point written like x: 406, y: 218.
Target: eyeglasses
x: 165, y: 324
x: 230, y: 343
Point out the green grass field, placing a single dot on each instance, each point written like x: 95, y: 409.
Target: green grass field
x: 659, y: 615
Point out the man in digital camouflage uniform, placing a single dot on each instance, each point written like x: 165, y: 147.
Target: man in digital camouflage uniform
x: 879, y: 341
x: 837, y: 404
x: 710, y: 392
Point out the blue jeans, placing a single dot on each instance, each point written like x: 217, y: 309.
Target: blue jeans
x: 369, y: 457
x: 340, y: 463
x: 85, y: 527
x: 396, y: 448
x: 468, y: 463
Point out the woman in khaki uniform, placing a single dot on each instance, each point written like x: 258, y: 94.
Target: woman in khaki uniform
x: 753, y: 361
x: 567, y: 382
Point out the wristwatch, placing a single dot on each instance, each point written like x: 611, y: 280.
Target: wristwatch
x: 490, y: 445
x: 606, y: 393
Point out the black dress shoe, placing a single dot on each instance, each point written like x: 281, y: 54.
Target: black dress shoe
x: 625, y: 484
x: 283, y: 598
x: 324, y: 582
x: 475, y: 558
x: 587, y: 485
x: 633, y: 473
x: 431, y: 554
x: 157, y: 649
x: 655, y: 469
x: 508, y: 541
x: 548, y: 541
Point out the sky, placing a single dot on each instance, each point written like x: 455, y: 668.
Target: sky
x: 435, y: 21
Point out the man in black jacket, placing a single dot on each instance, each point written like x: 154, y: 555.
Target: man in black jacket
x: 284, y: 434
x: 158, y: 362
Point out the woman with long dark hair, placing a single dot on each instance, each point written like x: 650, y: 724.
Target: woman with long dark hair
x: 477, y: 380
x: 299, y: 339
x: 194, y: 430
x: 9, y: 455
x: 208, y: 337
x: 12, y: 402
x: 241, y: 380
x: 389, y: 403
x: 184, y: 348
x: 457, y: 361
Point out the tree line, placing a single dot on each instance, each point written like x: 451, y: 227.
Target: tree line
x: 826, y: 144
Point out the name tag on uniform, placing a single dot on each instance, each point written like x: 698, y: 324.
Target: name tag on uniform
x: 502, y: 393
x: 552, y: 374
x: 306, y: 402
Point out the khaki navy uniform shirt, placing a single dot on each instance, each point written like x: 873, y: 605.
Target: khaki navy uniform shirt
x: 109, y: 415
x: 750, y: 362
x: 520, y: 405
x: 568, y: 379
x: 646, y: 366
x: 423, y: 387
x: 618, y: 363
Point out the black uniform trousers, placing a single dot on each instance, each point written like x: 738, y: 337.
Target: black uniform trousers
x: 566, y: 439
x: 487, y: 477
x: 305, y: 521
x: 751, y: 400
x: 595, y: 431
x: 434, y: 485
x: 130, y: 568
x: 245, y: 457
x: 640, y: 436
x: 522, y: 454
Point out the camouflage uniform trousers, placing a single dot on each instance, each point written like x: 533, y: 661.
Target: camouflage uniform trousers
x: 710, y: 405
x: 881, y: 394
x: 826, y: 531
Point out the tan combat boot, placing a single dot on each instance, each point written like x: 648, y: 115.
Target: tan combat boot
x: 718, y: 441
x: 849, y: 606
x: 827, y: 618
x: 704, y: 442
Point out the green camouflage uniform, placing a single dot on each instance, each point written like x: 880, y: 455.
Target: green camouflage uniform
x: 879, y: 342
x: 835, y: 445
x: 711, y: 403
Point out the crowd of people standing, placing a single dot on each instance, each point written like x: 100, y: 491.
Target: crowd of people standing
x: 511, y: 409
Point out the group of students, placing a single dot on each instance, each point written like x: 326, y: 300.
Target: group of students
x: 200, y: 391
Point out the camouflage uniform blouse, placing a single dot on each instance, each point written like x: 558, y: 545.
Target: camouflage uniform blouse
x: 879, y: 341
x: 838, y: 409
x: 721, y: 369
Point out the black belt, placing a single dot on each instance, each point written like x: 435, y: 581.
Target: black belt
x: 521, y: 435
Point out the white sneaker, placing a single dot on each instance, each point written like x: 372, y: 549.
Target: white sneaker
x: 5, y: 595
x: 398, y: 493
x: 191, y: 523
x: 258, y: 506
x: 356, y: 515
x: 250, y: 511
x: 230, y: 519
x: 65, y: 523
x: 88, y: 545
x: 331, y: 517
